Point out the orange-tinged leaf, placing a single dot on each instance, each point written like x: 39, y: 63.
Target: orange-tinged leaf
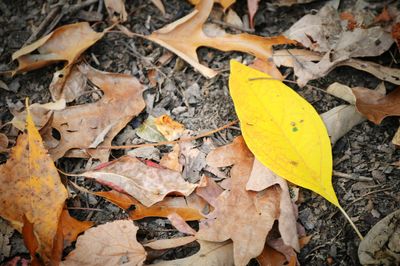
x: 137, y: 211
x: 283, y: 131
x: 147, y: 184
x: 31, y: 187
x: 112, y: 243
x: 72, y: 227
x: 66, y: 43
x: 169, y: 128
x: 185, y: 35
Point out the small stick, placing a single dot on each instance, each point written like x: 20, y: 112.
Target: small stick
x: 169, y: 142
x: 353, y: 177
x: 351, y: 222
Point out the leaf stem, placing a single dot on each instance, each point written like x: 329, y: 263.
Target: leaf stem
x: 351, y: 222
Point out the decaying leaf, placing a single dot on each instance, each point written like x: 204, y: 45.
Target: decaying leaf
x: 267, y: 67
x: 381, y: 245
x: 185, y: 35
x: 323, y: 32
x: 171, y: 159
x: 210, y: 253
x: 112, y: 243
x: 147, y: 184
x: 31, y: 188
x: 179, y: 223
x: 376, y: 106
x: 116, y: 7
x: 149, y: 132
x: 186, y: 209
x: 235, y: 208
x: 209, y: 190
x: 169, y: 128
x: 79, y: 126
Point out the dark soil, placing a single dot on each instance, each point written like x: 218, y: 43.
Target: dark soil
x: 202, y: 104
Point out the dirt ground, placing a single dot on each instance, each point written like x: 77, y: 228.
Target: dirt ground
x: 202, y: 104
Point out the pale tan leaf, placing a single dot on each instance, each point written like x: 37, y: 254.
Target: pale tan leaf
x: 147, y: 184
x: 179, y: 223
x: 112, y: 243
x: 285, y: 57
x: 185, y: 35
x: 342, y: 91
x: 210, y: 253
x: 170, y: 243
x: 209, y: 190
x: 171, y: 159
x: 233, y: 18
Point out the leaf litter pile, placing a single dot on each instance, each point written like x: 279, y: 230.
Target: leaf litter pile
x: 199, y: 132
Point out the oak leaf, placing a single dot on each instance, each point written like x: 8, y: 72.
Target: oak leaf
x: 112, y: 243
x: 186, y: 35
x: 147, y: 184
x: 31, y: 188
x: 80, y: 126
x: 244, y: 216
x: 72, y: 227
x: 376, y: 106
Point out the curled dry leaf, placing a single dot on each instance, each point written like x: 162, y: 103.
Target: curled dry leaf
x: 376, y: 106
x: 381, y: 245
x: 185, y: 35
x: 185, y: 208
x: 147, y: 184
x: 252, y: 6
x: 79, y: 126
x: 241, y: 215
x: 179, y: 223
x: 31, y: 188
x: 148, y: 131
x: 70, y: 87
x: 171, y: 159
x: 210, y: 253
x: 169, y: 128
x: 116, y: 7
x: 323, y: 32
x: 112, y: 243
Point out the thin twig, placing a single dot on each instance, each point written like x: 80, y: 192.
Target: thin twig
x: 353, y: 177
x: 169, y: 142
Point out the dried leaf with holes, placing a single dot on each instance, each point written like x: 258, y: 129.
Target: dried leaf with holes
x: 81, y: 126
x: 147, y: 184
x: 185, y: 35
x: 112, y: 243
x: 31, y: 188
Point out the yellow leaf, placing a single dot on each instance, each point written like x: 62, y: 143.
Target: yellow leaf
x: 31, y: 188
x: 283, y: 130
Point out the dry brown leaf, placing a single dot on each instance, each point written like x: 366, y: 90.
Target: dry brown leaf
x: 147, y: 184
x: 179, y: 223
x: 3, y: 142
x: 185, y: 35
x: 244, y: 216
x: 188, y: 211
x: 79, y: 126
x: 271, y: 257
x: 169, y: 128
x: 171, y: 159
x: 170, y: 243
x: 72, y: 228
x: 210, y: 253
x: 396, y: 138
x: 323, y: 32
x: 209, y: 190
x: 286, y: 57
x: 261, y: 178
x: 31, y: 188
x: 66, y: 43
x: 381, y: 245
x: 252, y: 6
x: 376, y: 106
x: 112, y: 243
x: 116, y: 8
x: 267, y: 67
